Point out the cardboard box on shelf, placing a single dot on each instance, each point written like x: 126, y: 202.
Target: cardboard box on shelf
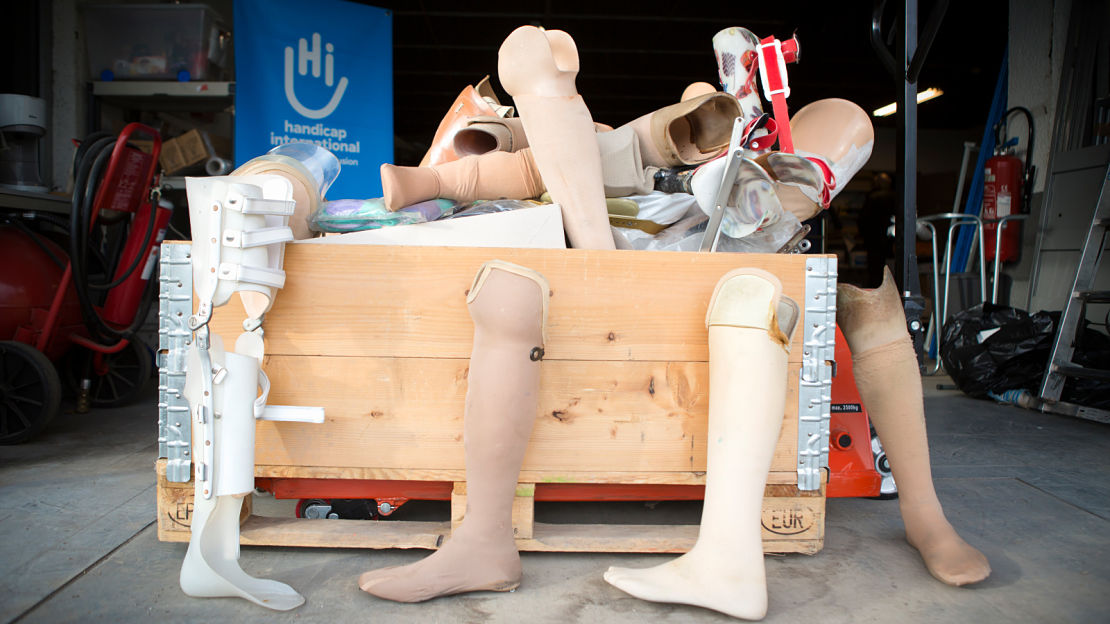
x: 191, y: 149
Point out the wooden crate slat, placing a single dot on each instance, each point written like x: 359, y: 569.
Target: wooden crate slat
x: 393, y: 413
x: 369, y: 300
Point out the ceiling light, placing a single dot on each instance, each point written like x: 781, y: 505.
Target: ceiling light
x: 889, y: 109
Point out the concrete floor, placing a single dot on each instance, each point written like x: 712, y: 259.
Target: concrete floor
x: 78, y: 541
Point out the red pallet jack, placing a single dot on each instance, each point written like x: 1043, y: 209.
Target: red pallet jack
x: 51, y: 299
x: 857, y: 468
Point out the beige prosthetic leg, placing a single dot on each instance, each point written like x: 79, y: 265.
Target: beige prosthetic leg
x: 748, y: 350
x: 538, y: 69
x: 889, y: 383
x: 509, y: 306
x: 497, y: 175
x: 504, y: 175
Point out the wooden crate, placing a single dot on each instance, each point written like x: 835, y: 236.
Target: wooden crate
x: 381, y: 337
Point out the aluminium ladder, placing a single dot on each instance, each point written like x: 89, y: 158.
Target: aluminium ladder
x: 1060, y: 364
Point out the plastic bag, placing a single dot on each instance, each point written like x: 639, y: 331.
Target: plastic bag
x: 989, y: 349
x: 353, y: 215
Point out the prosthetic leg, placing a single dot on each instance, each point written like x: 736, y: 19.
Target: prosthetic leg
x: 239, y: 227
x: 885, y: 368
x: 505, y: 175
x: 750, y: 324
x: 832, y: 142
x: 509, y: 306
x: 538, y: 69
x: 496, y: 175
x: 690, y: 132
x: 737, y: 65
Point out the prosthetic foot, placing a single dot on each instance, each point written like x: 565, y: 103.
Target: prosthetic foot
x: 750, y: 324
x: 538, y: 69
x: 239, y: 227
x: 889, y: 383
x: 690, y: 132
x: 509, y: 306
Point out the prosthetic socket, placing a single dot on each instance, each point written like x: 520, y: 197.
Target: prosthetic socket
x: 239, y: 227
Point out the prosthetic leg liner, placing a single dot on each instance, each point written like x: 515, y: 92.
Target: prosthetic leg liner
x: 509, y: 306
x: 750, y: 324
x: 538, y: 69
x: 889, y: 383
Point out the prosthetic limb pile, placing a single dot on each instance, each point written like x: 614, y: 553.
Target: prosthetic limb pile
x: 889, y: 383
x: 750, y: 324
x: 239, y: 228
x: 509, y: 306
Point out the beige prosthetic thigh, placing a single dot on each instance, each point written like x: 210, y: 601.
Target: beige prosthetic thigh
x: 747, y: 394
x: 509, y: 306
x: 885, y: 368
x: 538, y: 69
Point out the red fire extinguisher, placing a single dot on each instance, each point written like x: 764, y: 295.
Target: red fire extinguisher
x: 1007, y: 184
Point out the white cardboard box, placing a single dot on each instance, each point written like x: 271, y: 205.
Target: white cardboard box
x: 537, y: 227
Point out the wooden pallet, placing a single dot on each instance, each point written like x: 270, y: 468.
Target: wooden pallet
x: 380, y: 336
x: 793, y: 521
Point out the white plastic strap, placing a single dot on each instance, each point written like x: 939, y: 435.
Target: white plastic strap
x: 260, y: 402
x: 260, y: 206
x: 275, y: 278
x: 293, y: 413
x: 257, y: 238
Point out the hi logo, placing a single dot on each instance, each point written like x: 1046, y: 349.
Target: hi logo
x: 313, y: 57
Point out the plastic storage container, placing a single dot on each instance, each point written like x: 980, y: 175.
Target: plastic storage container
x: 155, y: 42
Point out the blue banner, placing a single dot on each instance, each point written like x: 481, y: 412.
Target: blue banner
x: 322, y: 72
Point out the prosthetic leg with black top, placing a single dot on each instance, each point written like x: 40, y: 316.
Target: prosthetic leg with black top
x: 889, y: 382
x: 509, y: 306
x: 750, y: 324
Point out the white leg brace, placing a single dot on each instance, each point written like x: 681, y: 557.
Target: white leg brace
x: 239, y: 227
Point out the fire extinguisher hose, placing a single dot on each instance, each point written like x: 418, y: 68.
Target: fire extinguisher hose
x: 89, y: 163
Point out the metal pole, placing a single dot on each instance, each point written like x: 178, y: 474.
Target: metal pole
x: 905, y: 218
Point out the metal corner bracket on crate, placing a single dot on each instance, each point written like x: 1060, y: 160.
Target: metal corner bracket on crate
x: 815, y: 376
x: 175, y: 304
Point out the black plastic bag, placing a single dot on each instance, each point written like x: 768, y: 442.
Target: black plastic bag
x: 989, y: 349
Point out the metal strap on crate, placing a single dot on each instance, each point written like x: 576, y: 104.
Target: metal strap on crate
x: 175, y: 305
x: 815, y: 377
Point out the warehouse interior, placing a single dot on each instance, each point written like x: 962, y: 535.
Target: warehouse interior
x: 97, y: 489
